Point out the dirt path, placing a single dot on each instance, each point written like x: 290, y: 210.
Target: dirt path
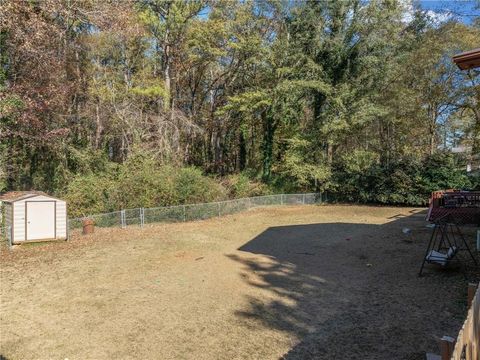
x: 319, y: 282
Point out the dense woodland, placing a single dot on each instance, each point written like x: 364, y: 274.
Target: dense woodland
x: 115, y: 104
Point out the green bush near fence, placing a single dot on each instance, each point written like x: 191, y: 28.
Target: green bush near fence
x: 359, y: 177
x: 140, y: 182
x: 242, y: 185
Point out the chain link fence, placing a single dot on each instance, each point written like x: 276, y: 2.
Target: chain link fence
x: 110, y: 219
x: 3, y: 233
x: 6, y: 234
x: 191, y: 212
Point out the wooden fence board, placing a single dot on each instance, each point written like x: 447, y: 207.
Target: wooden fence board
x: 468, y: 341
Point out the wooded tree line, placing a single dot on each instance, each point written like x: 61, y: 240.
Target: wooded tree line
x: 358, y: 98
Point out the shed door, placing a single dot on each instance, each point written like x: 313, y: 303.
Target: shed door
x: 40, y: 219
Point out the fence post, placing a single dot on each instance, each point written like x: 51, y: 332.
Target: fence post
x: 184, y: 214
x: 472, y: 288
x: 68, y: 229
x: 9, y: 237
x: 142, y: 216
x: 218, y: 206
x: 303, y: 200
x: 281, y: 199
x: 123, y: 219
x: 447, y: 345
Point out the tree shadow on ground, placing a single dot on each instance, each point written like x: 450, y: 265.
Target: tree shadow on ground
x: 350, y: 291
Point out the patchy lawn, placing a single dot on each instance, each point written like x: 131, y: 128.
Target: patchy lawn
x: 299, y: 282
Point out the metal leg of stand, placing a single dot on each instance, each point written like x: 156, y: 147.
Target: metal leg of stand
x: 428, y: 249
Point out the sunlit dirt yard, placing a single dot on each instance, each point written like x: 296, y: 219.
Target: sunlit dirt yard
x: 299, y: 282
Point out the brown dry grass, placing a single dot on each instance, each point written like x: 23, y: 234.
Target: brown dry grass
x: 267, y: 283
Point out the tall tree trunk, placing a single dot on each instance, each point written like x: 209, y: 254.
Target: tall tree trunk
x: 432, y: 114
x: 269, y: 128
x: 166, y: 71
x: 98, y: 127
x: 329, y: 152
x: 476, y: 132
x: 10, y: 165
x: 242, y: 152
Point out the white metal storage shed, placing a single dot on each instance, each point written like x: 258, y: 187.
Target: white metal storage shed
x: 34, y: 216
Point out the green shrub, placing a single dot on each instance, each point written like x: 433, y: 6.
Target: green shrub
x: 474, y: 181
x: 445, y: 171
x: 359, y: 177
x: 300, y: 169
x: 241, y: 186
x: 143, y: 183
x: 356, y: 177
x: 191, y: 186
x: 90, y: 194
x: 140, y: 182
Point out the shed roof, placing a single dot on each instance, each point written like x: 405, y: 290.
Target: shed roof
x: 13, y: 196
x: 468, y: 59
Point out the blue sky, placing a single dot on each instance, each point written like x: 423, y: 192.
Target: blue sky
x: 464, y: 10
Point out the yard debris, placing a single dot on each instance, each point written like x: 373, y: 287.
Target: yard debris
x: 199, y: 258
x: 369, y: 265
x: 406, y: 231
